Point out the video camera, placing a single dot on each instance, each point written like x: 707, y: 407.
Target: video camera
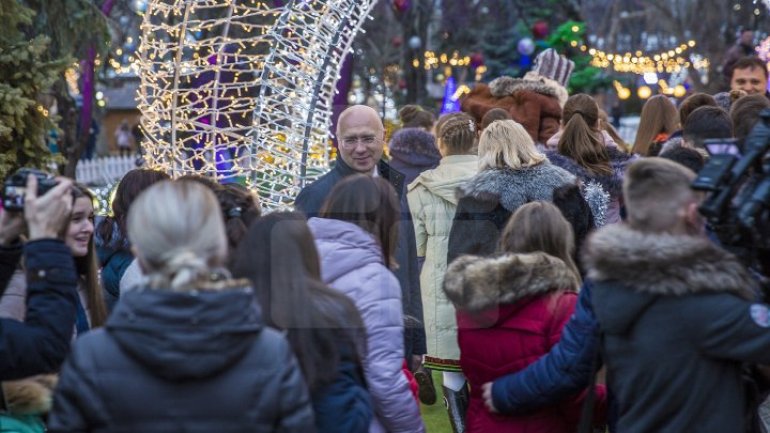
x: 738, y: 203
x: 15, y: 187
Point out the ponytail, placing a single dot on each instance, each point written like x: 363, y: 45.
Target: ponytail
x: 579, y: 140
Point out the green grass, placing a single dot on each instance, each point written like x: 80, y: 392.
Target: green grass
x: 435, y: 416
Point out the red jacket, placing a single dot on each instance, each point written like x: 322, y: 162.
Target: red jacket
x: 511, y: 310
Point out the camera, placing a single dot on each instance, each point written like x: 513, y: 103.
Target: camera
x: 737, y: 205
x: 15, y: 187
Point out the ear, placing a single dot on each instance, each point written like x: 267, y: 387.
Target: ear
x: 694, y: 218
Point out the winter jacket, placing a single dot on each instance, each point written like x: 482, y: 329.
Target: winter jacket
x: 352, y: 263
x: 433, y: 202
x: 412, y: 151
x: 532, y: 103
x: 345, y: 404
x: 516, y: 304
x: 114, y: 263
x: 564, y: 371
x: 612, y: 184
x: 309, y: 202
x: 198, y: 361
x: 677, y: 324
x: 491, y: 197
x: 13, y: 303
x: 10, y: 255
x: 40, y: 344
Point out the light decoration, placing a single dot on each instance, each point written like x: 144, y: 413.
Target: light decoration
x: 431, y: 60
x: 639, y: 63
x: 623, y: 92
x: 242, y: 91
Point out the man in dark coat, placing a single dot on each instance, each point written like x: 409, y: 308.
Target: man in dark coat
x: 361, y: 138
x: 676, y: 313
x: 39, y: 344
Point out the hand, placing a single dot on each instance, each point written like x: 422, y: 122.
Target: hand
x: 47, y: 215
x: 11, y: 226
x: 487, y: 395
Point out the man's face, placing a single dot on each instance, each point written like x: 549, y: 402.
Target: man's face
x: 750, y: 80
x: 361, y: 140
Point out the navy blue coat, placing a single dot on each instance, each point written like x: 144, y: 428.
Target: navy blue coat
x: 199, y: 361
x: 40, y: 343
x: 312, y: 197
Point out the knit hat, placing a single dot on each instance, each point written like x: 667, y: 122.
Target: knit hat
x: 551, y: 64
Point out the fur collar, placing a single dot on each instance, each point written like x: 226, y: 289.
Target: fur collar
x: 30, y: 396
x: 513, y: 188
x: 505, y: 86
x: 612, y: 183
x: 664, y: 264
x: 414, y: 141
x: 476, y: 283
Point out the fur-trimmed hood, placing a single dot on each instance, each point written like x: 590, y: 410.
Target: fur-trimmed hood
x: 513, y: 188
x: 612, y: 183
x: 414, y: 145
x: 30, y: 396
x: 505, y: 86
x: 664, y: 264
x: 476, y: 283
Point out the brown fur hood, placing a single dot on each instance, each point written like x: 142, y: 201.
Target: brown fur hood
x: 476, y: 283
x: 505, y: 86
x: 664, y: 264
x: 31, y: 395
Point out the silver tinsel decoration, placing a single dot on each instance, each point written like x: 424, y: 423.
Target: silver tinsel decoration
x: 598, y: 200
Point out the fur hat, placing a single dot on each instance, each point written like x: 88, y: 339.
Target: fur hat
x: 554, y: 66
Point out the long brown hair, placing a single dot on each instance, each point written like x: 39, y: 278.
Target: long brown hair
x: 659, y: 116
x: 581, y: 140
x: 370, y: 203
x: 540, y: 226
x: 279, y: 257
x: 88, y: 269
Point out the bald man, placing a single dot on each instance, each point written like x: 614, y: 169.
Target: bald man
x: 361, y: 138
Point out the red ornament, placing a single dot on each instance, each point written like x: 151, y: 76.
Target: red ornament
x: 397, y: 41
x: 477, y: 59
x: 540, y: 29
x: 401, y: 5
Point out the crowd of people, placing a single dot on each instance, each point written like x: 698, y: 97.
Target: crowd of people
x: 554, y: 277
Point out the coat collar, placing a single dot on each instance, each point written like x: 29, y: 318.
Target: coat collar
x: 393, y: 176
x: 664, y: 264
x: 476, y: 283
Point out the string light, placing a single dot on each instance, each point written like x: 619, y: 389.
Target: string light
x: 638, y: 63
x: 243, y: 91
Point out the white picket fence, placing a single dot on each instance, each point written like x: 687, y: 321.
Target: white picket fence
x: 104, y: 170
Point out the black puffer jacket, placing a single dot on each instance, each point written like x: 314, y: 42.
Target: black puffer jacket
x: 183, y: 362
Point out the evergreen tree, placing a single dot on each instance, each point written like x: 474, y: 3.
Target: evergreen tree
x: 25, y: 73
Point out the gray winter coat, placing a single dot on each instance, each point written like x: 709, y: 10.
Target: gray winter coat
x: 352, y: 263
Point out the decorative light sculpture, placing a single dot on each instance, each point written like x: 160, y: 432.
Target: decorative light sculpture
x: 242, y: 90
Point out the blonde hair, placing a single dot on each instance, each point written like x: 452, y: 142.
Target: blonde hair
x: 178, y: 233
x: 506, y: 144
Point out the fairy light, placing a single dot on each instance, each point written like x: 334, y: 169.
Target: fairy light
x: 242, y: 91
x: 669, y: 61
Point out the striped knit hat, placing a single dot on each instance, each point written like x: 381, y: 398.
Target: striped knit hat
x: 552, y: 65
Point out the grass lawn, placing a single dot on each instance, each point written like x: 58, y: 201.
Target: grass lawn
x: 435, y: 417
